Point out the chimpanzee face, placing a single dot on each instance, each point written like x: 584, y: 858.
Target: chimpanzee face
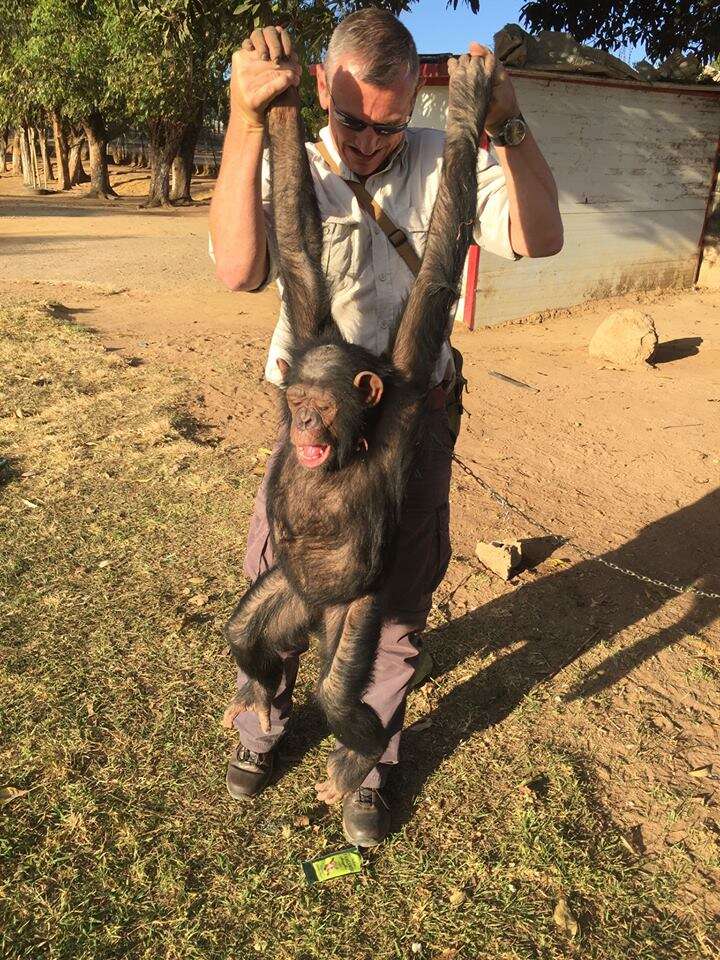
x: 313, y: 413
x: 327, y: 399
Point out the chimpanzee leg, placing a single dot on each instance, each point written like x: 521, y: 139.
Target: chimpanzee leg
x: 270, y: 619
x: 349, y: 648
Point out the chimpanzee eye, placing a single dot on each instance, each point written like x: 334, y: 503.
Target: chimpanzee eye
x: 295, y: 395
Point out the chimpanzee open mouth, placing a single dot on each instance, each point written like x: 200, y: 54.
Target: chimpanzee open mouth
x: 313, y: 454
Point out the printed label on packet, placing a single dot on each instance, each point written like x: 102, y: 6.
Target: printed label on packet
x: 329, y: 865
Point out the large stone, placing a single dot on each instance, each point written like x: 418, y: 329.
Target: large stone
x: 499, y: 556
x: 625, y: 339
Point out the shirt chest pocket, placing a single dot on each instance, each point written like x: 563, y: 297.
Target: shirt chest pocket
x: 341, y: 250
x: 415, y: 226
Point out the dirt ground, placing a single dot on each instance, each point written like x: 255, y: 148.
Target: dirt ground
x: 625, y: 464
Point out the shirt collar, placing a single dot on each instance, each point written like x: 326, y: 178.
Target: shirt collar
x: 399, y: 156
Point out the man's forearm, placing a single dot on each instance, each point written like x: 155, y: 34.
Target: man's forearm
x: 536, y: 228
x: 237, y: 226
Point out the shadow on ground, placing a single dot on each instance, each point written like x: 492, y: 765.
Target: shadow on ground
x: 557, y: 618
x: 543, y: 627
x: 676, y: 349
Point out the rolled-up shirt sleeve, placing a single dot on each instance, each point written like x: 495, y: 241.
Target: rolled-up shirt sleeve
x: 281, y: 347
x: 492, y: 218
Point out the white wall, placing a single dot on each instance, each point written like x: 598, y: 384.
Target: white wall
x: 633, y: 170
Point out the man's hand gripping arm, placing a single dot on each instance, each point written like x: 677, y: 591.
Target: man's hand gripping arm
x: 264, y: 67
x: 536, y: 228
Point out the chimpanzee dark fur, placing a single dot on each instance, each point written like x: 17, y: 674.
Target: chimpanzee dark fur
x: 351, y: 421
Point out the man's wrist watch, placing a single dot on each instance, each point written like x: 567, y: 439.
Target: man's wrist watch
x: 510, y: 134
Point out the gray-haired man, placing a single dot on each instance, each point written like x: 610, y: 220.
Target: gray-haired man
x: 368, y: 85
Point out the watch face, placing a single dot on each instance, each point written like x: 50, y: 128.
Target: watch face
x: 515, y: 130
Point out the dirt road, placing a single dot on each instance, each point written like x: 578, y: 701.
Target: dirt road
x: 624, y: 463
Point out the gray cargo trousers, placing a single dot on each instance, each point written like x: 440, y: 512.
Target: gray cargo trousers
x: 421, y: 558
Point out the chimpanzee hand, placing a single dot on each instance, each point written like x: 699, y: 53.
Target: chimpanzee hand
x: 253, y: 697
x: 503, y: 103
x: 265, y: 66
x: 332, y: 790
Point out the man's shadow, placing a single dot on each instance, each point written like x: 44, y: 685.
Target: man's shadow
x: 545, y: 625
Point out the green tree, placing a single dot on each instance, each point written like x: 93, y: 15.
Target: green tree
x: 663, y: 26
x: 19, y: 107
x: 168, y: 62
x: 69, y: 58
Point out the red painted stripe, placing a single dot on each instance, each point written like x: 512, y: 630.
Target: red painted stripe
x: 472, y: 271
x: 435, y: 74
x: 708, y: 208
x: 471, y: 286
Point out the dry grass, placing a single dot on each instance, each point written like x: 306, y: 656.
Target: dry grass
x: 121, y: 556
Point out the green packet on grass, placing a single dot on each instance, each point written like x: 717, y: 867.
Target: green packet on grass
x: 329, y: 865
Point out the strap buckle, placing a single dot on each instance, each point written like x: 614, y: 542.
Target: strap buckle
x: 397, y: 238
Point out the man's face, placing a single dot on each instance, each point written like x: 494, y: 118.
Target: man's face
x: 364, y: 151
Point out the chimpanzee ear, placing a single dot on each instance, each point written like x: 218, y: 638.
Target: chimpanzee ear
x: 370, y: 386
x: 283, y: 367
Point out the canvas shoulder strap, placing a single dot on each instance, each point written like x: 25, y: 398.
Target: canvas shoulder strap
x: 395, y: 235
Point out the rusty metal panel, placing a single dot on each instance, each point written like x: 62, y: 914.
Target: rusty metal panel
x: 633, y: 169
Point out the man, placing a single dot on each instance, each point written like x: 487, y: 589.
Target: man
x: 368, y: 85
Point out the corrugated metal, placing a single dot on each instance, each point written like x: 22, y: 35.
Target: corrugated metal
x: 633, y: 169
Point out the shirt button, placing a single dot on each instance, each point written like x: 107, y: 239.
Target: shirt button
x: 382, y: 277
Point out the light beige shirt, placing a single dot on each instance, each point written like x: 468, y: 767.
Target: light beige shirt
x: 368, y: 280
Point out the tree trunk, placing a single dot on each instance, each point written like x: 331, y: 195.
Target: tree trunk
x: 77, y: 171
x: 16, y: 155
x: 34, y: 165
x: 4, y: 142
x: 119, y: 154
x: 96, y: 134
x: 184, y: 164
x: 61, y: 151
x: 47, y: 165
x: 164, y: 140
x: 26, y: 156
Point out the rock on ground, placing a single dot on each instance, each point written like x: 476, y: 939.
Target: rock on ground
x: 626, y: 338
x: 502, y: 557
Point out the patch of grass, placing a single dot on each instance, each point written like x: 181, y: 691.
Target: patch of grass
x: 122, y: 543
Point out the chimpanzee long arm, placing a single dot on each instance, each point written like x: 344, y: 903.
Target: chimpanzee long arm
x: 424, y: 323
x: 296, y: 217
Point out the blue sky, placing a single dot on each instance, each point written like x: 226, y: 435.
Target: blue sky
x: 438, y: 29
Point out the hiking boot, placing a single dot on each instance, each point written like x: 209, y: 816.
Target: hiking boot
x: 366, y: 817
x: 248, y: 772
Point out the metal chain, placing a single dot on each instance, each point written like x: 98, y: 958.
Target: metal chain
x: 586, y: 554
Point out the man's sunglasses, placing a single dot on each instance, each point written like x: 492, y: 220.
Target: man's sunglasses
x: 354, y: 123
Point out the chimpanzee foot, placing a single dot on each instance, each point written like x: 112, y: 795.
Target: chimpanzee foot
x: 252, y: 696
x: 346, y: 771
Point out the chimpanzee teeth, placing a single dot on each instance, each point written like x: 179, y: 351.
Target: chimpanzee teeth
x: 312, y: 451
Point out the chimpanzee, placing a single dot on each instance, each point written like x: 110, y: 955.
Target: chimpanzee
x: 351, y: 421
